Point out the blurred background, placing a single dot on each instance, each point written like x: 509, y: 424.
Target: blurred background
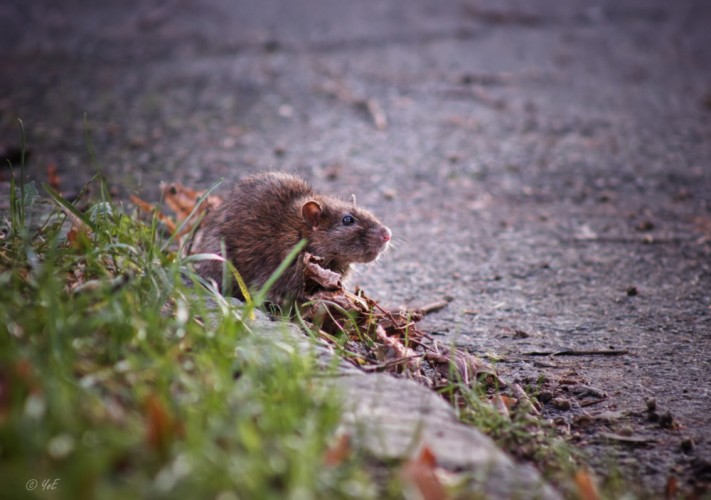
x: 544, y: 165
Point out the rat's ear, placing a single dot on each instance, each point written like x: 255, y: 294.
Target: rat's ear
x: 311, y: 212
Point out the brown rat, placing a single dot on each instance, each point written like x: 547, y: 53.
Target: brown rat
x: 267, y: 214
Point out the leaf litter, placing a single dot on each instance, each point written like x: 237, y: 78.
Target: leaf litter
x: 367, y: 334
x: 377, y: 339
x: 372, y: 337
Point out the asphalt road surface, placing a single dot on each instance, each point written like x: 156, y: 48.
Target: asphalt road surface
x: 545, y: 165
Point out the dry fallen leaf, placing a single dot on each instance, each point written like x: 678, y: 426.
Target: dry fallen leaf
x: 18, y: 377
x: 672, y: 488
x: 149, y: 208
x: 53, y: 177
x: 338, y: 451
x: 77, y: 237
x: 420, y: 475
x: 182, y: 200
x: 396, y: 351
x: 325, y: 278
x: 161, y: 427
x: 502, y: 405
x: 586, y: 486
x: 384, y: 340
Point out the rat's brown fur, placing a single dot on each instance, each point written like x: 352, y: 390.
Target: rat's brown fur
x: 266, y: 215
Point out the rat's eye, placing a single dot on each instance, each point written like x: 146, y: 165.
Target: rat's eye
x: 348, y: 220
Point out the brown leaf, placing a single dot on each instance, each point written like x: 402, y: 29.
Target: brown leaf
x: 160, y: 425
x: 586, y: 486
x: 502, y: 405
x: 78, y: 238
x: 427, y: 457
x: 672, y: 489
x: 420, y: 474
x: 384, y: 340
x: 395, y: 350
x: 16, y: 379
x: 141, y: 204
x: 338, y: 451
x: 182, y: 200
x: 53, y: 177
x: 325, y: 278
x: 149, y: 208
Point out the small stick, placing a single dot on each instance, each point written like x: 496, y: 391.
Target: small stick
x: 524, y: 401
x: 432, y: 307
x: 387, y: 313
x: 642, y: 241
x: 380, y: 120
x: 388, y: 364
x: 585, y: 404
x: 576, y: 353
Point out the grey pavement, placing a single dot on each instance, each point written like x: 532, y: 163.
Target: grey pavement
x: 545, y: 164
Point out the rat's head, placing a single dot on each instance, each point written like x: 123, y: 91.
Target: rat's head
x: 343, y: 233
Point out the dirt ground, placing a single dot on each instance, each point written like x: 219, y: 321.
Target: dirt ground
x: 546, y: 165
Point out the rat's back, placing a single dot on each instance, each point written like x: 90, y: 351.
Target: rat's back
x: 259, y: 224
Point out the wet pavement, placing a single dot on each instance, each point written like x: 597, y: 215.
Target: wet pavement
x: 546, y: 165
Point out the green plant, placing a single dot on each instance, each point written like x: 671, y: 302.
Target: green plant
x: 120, y: 380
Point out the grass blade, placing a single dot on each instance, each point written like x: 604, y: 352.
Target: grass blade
x: 75, y: 215
x: 262, y: 294
x: 179, y: 229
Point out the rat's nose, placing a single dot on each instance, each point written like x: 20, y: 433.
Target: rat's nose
x: 386, y: 234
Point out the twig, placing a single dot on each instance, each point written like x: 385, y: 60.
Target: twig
x: 387, y: 313
x: 432, y: 307
x: 388, y: 364
x: 571, y: 352
x: 650, y: 240
x: 524, y: 402
x: 632, y: 440
x: 585, y: 404
x: 380, y: 119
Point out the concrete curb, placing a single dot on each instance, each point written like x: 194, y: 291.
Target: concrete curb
x: 394, y: 418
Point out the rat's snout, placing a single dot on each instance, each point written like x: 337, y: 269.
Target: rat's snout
x: 385, y: 234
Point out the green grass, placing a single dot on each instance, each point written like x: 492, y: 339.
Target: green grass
x: 524, y: 437
x: 114, y: 381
